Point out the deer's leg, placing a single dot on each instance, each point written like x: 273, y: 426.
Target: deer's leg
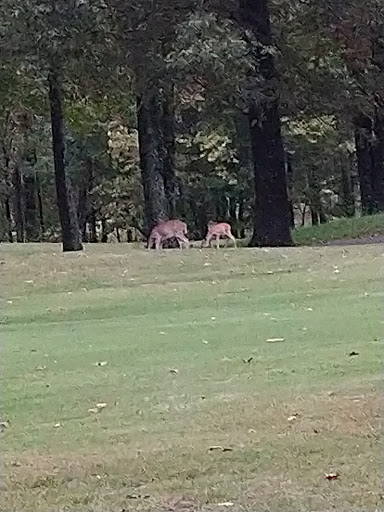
x: 150, y: 242
x: 158, y: 241
x: 217, y: 241
x: 233, y: 239
x: 208, y: 240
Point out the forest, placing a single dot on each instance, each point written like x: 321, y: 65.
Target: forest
x: 115, y: 115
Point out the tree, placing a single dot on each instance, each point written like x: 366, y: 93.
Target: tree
x: 272, y: 211
x: 71, y: 236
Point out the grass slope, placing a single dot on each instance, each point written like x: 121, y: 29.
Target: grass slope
x: 339, y: 229
x: 201, y: 409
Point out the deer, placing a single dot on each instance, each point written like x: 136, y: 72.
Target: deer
x: 216, y: 230
x: 167, y: 229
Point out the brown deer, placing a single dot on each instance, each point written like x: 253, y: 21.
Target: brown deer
x: 168, y: 229
x: 217, y: 230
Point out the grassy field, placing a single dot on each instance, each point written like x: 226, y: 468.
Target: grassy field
x: 339, y: 229
x: 225, y: 379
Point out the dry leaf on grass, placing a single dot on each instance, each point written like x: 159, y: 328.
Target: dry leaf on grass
x: 57, y: 425
x: 331, y: 476
x: 275, y: 340
x: 101, y: 363
x: 226, y: 504
x: 220, y: 448
x: 174, y: 370
x: 353, y: 353
x: 247, y: 360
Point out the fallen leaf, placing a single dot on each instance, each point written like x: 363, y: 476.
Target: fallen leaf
x: 94, y: 410
x: 101, y: 405
x: 40, y: 368
x: 294, y: 416
x: 353, y: 353
x: 101, y: 363
x: 9, y: 301
x: 213, y: 318
x: 174, y: 370
x: 248, y: 360
x: 57, y: 425
x: 205, y: 342
x: 207, y: 264
x: 3, y: 425
x: 16, y: 464
x: 162, y: 333
x: 220, y: 448
x: 275, y: 340
x: 331, y: 476
x: 225, y: 504
x: 29, y: 281
x: 309, y: 309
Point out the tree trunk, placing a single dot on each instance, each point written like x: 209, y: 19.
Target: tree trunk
x: 40, y: 206
x: 363, y: 144
x: 241, y: 217
x: 70, y: 231
x: 378, y: 166
x: 151, y: 164
x: 347, y: 190
x: 31, y: 209
x: 315, y: 219
x: 19, y: 203
x: 290, y: 181
x: 92, y: 228
x: 84, y: 206
x: 104, y: 233
x: 167, y: 140
x: 9, y: 220
x: 271, y: 213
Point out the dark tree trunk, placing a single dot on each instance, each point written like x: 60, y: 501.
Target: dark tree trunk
x: 19, y: 203
x: 315, y: 219
x: 316, y: 208
x: 92, y: 228
x: 167, y: 121
x: 271, y: 214
x: 347, y: 190
x: 322, y: 216
x: 241, y: 217
x: 151, y: 164
x: 32, y: 225
x: 84, y: 204
x: 378, y: 166
x: 104, y: 233
x: 9, y: 220
x: 40, y: 206
x: 70, y: 231
x: 290, y: 181
x: 363, y: 144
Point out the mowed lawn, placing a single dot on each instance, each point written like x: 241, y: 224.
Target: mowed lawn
x: 231, y: 379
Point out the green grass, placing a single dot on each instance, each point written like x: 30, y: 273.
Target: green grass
x: 175, y: 329
x: 339, y: 229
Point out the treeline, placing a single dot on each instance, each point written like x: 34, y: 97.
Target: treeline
x: 116, y: 114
